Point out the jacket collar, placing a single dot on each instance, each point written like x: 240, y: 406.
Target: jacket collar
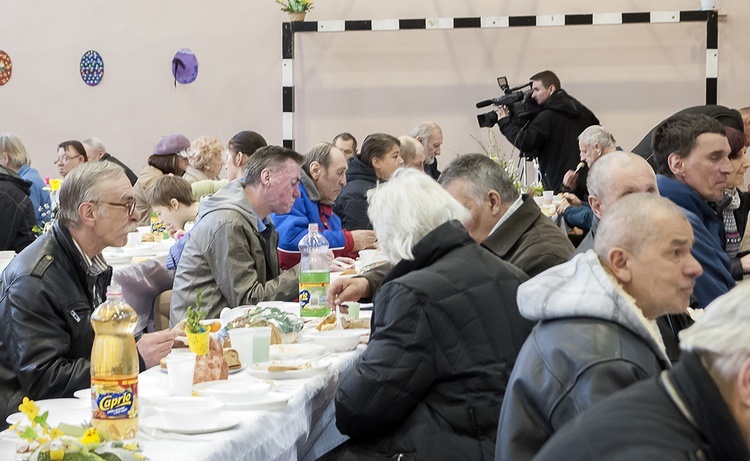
x: 507, y: 235
x: 684, y: 196
x: 698, y: 394
x: 308, y: 185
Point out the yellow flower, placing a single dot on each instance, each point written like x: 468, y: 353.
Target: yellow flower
x: 132, y: 446
x: 139, y: 456
x: 57, y: 454
x: 54, y: 184
x: 90, y: 436
x: 56, y: 433
x: 29, y: 408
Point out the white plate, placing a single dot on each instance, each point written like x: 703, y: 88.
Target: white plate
x: 70, y: 411
x: 296, y: 351
x: 118, y: 259
x: 225, y: 423
x: 231, y: 371
x: 260, y: 370
x: 83, y: 394
x: 270, y: 401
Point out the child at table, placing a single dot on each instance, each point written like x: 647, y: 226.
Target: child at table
x: 172, y: 200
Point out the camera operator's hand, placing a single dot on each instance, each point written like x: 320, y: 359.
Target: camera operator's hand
x: 502, y: 112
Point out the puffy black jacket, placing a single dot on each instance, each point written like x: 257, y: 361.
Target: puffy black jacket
x: 16, y: 212
x: 552, y: 136
x: 446, y: 333
x: 46, y: 300
x: 351, y: 204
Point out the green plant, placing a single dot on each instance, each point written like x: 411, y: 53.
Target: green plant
x: 295, y: 6
x: 195, y: 314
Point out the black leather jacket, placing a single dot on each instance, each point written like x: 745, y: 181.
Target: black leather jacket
x: 46, y: 300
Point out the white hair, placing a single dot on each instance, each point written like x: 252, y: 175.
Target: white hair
x: 407, y: 208
x: 720, y: 335
x: 597, y: 134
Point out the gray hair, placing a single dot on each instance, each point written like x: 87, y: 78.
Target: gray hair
x: 632, y: 221
x: 720, y: 336
x: 84, y: 183
x: 424, y: 130
x: 407, y: 208
x: 95, y: 144
x: 321, y: 153
x: 603, y: 173
x: 11, y: 145
x: 596, y: 134
x: 268, y: 157
x: 481, y: 175
x: 408, y: 148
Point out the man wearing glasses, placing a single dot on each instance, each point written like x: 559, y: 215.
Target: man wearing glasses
x: 48, y: 292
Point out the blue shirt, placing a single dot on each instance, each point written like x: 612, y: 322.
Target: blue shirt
x: 39, y: 197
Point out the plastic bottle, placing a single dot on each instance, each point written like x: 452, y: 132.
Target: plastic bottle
x: 114, y: 368
x: 314, y: 275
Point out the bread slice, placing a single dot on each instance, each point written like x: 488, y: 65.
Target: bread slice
x: 232, y: 357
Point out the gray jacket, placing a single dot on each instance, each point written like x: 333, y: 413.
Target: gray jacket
x: 228, y: 258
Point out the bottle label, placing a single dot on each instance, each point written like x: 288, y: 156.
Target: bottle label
x: 114, y: 398
x: 312, y: 295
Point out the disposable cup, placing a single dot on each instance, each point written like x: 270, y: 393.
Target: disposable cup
x: 353, y: 310
x: 8, y: 448
x: 261, y: 344
x: 242, y: 342
x: 134, y: 239
x: 181, y: 369
x: 547, y: 197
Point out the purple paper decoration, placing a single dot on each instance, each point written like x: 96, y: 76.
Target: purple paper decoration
x: 6, y: 67
x: 92, y: 68
x: 184, y: 67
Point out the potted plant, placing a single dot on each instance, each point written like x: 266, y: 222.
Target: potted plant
x: 197, y: 333
x: 296, y: 8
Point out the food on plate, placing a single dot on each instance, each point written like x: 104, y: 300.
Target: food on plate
x: 232, y: 358
x: 287, y: 367
x: 329, y: 323
x: 147, y: 238
x: 285, y: 327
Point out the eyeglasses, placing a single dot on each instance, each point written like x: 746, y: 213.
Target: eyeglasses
x: 128, y: 206
x: 65, y: 159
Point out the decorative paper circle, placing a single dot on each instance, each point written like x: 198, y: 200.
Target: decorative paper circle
x: 92, y: 68
x: 185, y: 66
x: 6, y: 68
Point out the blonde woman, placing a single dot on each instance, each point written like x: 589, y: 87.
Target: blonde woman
x: 206, y: 159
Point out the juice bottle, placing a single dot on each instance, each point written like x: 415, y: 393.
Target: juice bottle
x: 314, y: 275
x: 114, y: 368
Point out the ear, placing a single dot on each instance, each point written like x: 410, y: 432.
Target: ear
x: 493, y: 198
x: 315, y: 170
x: 174, y: 203
x: 596, y: 206
x: 87, y: 214
x: 4, y: 158
x: 239, y: 159
x: 618, y: 263
x: 743, y: 383
x: 552, y: 89
x: 265, y: 176
x: 676, y: 164
x: 376, y: 162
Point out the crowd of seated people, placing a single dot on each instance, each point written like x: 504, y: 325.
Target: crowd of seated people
x: 493, y: 336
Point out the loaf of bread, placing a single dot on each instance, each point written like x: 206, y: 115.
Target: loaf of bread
x: 232, y: 357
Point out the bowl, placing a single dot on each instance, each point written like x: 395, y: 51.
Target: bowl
x: 189, y: 413
x: 338, y: 340
x: 239, y: 391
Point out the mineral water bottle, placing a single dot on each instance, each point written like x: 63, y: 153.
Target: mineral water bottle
x: 314, y: 276
x: 114, y: 368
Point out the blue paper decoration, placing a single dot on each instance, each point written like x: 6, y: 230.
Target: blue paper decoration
x: 92, y: 68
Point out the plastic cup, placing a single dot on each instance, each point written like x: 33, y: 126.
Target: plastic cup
x: 242, y: 342
x: 353, y: 310
x: 8, y: 449
x: 134, y: 239
x: 261, y: 344
x: 547, y: 197
x: 367, y: 257
x: 181, y: 369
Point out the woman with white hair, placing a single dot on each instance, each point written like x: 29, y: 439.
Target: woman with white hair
x: 445, y: 335
x: 206, y: 160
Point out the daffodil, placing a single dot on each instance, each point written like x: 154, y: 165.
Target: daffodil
x: 29, y: 408
x: 57, y: 454
x: 91, y: 436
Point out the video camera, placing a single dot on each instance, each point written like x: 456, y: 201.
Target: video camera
x: 519, y: 103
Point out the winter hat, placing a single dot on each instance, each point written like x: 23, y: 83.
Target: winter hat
x: 173, y: 144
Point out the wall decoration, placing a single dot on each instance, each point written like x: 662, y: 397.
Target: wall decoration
x: 184, y: 67
x: 92, y: 68
x: 6, y: 67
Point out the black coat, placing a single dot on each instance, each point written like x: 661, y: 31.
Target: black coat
x: 644, y: 423
x: 446, y: 333
x: 132, y: 177
x: 351, y: 204
x: 46, y: 301
x: 552, y: 136
x: 16, y: 212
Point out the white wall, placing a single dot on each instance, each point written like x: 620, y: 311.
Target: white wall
x: 631, y: 76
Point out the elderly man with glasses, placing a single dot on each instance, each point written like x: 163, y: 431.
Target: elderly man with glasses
x: 49, y: 291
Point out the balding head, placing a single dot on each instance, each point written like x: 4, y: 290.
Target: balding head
x: 615, y: 175
x: 645, y: 241
x: 412, y: 151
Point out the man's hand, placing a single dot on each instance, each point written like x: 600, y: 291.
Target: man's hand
x: 502, y: 112
x: 363, y: 239
x: 572, y: 199
x: 155, y: 346
x: 570, y: 180
x: 347, y: 289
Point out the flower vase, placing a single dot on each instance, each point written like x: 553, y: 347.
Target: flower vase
x: 297, y: 16
x: 198, y: 342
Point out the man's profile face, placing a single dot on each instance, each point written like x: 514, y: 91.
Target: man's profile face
x: 481, y: 222
x: 589, y: 153
x: 332, y: 179
x: 706, y: 167
x: 347, y: 147
x: 113, y: 222
x: 663, y: 270
x: 284, y: 187
x: 432, y: 149
x: 539, y: 92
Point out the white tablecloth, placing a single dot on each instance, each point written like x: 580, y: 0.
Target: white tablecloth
x: 303, y: 430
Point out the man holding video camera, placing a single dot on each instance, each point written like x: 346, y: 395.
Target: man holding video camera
x: 551, y: 136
